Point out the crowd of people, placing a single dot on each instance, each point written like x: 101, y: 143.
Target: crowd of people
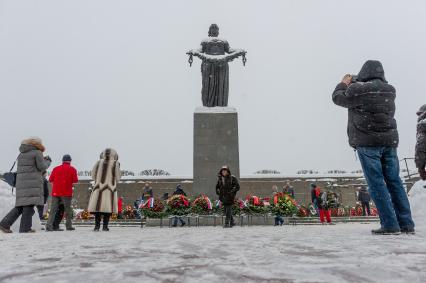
x: 372, y: 131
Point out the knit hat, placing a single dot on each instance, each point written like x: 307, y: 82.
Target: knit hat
x: 66, y: 158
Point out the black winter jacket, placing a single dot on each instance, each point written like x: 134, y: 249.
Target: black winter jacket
x: 421, y: 141
x: 371, y: 108
x: 227, y: 187
x: 364, y: 196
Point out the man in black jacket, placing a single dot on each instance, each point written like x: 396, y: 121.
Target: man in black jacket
x: 373, y: 133
x: 364, y: 198
x: 421, y: 142
x: 227, y: 188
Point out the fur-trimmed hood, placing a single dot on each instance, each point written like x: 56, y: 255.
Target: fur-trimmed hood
x: 109, y: 154
x: 224, y: 168
x: 30, y: 143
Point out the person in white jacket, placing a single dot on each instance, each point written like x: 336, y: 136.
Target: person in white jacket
x: 103, y: 199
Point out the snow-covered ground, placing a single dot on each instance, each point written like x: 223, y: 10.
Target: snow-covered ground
x: 340, y: 253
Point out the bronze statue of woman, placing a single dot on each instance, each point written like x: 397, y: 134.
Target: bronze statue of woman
x: 215, y: 54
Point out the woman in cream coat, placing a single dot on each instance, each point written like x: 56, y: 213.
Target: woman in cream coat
x: 103, y: 199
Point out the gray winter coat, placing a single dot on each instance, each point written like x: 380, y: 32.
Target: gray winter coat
x: 371, y: 108
x: 29, y: 180
x: 421, y: 139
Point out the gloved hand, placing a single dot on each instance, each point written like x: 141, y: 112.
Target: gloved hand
x: 422, y: 172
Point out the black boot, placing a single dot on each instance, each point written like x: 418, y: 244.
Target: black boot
x: 106, y: 221
x: 382, y: 231
x: 97, y: 221
x: 410, y: 231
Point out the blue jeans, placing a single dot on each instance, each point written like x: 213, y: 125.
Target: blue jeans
x: 381, y: 170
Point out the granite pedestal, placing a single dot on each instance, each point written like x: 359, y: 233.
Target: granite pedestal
x: 215, y: 145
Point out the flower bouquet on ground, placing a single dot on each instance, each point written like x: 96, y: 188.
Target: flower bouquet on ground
x: 356, y: 211
x: 201, y: 205
x: 152, y: 208
x: 338, y: 212
x: 128, y: 212
x: 254, y: 205
x: 178, y: 205
x: 374, y: 212
x: 303, y: 211
x: 84, y: 215
x: 217, y: 207
x: 238, y: 206
x: 284, y: 205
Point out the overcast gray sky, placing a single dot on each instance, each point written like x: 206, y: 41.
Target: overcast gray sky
x: 85, y: 75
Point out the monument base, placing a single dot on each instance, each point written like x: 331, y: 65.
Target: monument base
x: 215, y: 145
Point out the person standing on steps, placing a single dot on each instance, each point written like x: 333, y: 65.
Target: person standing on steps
x: 373, y: 133
x: 29, y: 185
x: 289, y: 189
x: 179, y: 191
x: 147, y: 192
x: 63, y: 177
x: 315, y: 191
x: 420, y: 156
x: 324, y: 207
x: 103, y: 199
x: 226, y: 188
x: 364, y: 198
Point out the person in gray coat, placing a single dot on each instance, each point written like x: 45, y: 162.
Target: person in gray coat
x: 29, y: 185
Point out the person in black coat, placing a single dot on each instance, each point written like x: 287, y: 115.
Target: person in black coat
x: 364, y: 198
x: 179, y: 191
x: 420, y: 156
x: 289, y: 189
x: 372, y: 131
x: 226, y: 188
x: 40, y: 208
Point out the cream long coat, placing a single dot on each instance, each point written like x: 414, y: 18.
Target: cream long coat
x: 106, y: 174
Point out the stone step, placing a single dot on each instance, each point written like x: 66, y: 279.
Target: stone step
x: 211, y: 220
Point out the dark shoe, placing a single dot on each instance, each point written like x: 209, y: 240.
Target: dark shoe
x: 174, y: 225
x: 382, y: 231
x: 71, y: 229
x: 96, y: 229
x: 232, y: 224
x: 58, y: 229
x: 106, y: 229
x: 183, y: 224
x: 29, y: 231
x: 5, y: 230
x: 409, y: 231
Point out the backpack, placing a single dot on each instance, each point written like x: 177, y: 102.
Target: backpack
x: 322, y: 200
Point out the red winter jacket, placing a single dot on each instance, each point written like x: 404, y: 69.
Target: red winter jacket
x: 63, y: 177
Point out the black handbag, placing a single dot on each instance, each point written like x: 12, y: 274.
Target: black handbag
x: 10, y: 177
